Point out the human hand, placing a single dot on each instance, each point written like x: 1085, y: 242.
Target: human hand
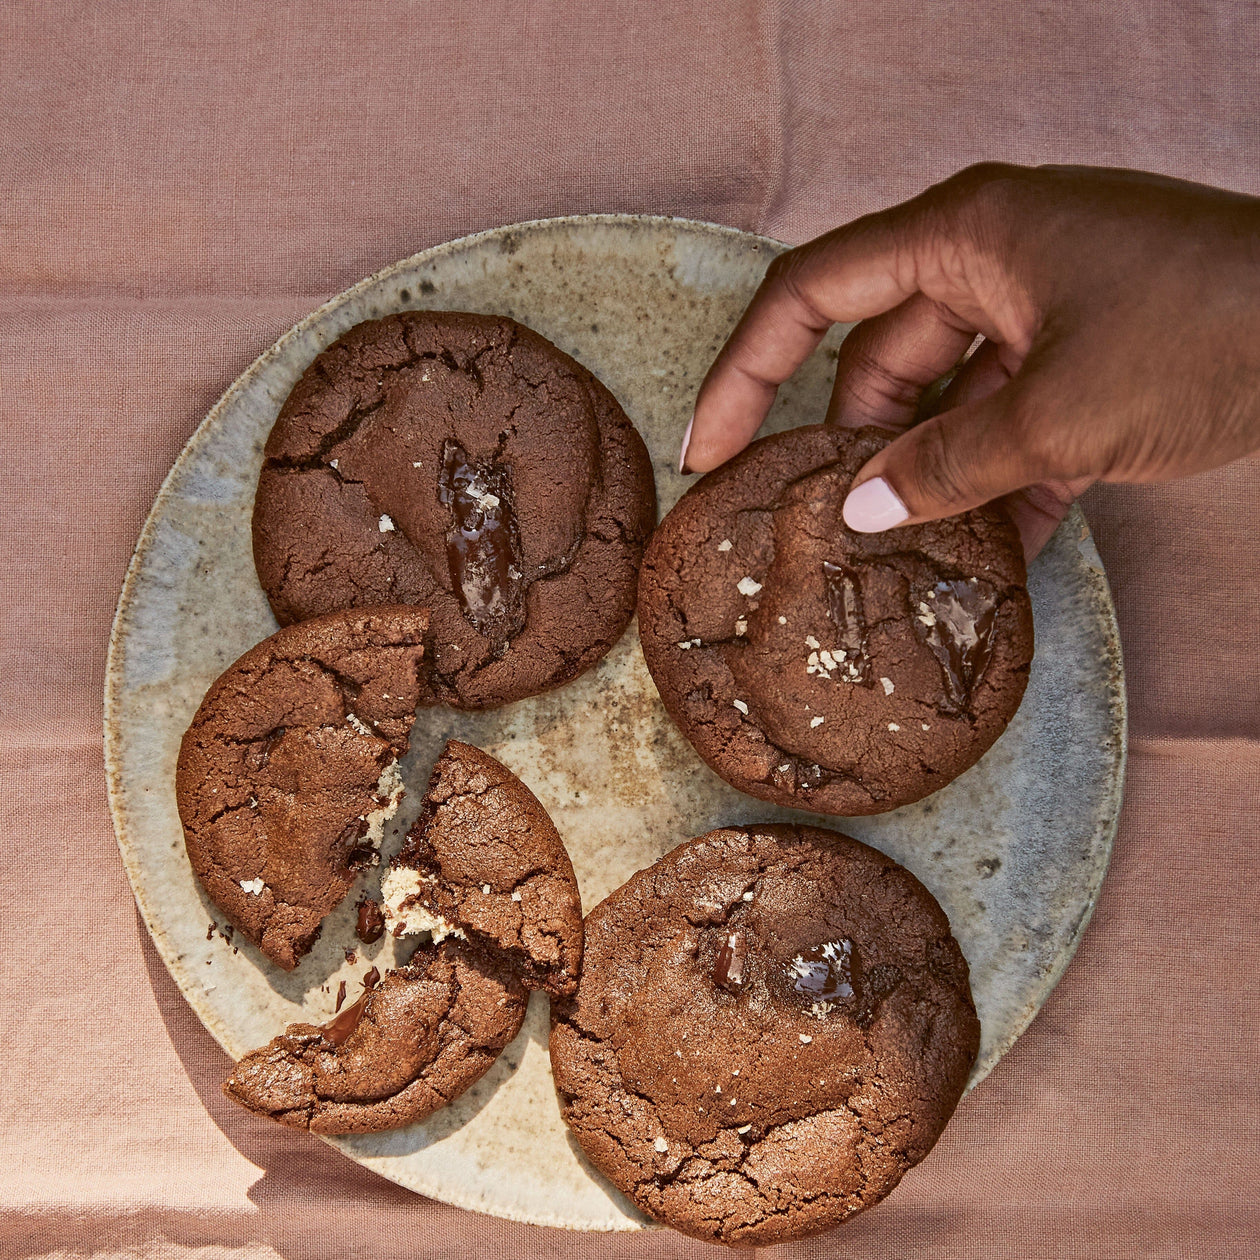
x: 1120, y: 313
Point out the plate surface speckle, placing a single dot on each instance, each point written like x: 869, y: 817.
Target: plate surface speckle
x: 1015, y: 849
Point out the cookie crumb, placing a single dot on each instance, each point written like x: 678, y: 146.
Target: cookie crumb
x: 747, y: 586
x: 385, y: 524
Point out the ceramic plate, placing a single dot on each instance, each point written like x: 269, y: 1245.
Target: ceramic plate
x: 1015, y: 849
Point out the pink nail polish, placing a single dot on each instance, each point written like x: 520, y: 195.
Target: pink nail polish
x: 686, y: 442
x: 873, y: 506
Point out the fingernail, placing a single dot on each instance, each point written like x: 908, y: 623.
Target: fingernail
x: 686, y: 442
x: 873, y: 506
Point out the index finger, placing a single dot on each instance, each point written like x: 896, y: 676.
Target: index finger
x: 856, y: 271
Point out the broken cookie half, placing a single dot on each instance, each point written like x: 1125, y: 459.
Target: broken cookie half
x: 484, y: 863
x: 406, y: 1048
x: 484, y: 877
x: 289, y: 770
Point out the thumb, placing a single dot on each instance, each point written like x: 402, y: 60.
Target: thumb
x: 955, y: 461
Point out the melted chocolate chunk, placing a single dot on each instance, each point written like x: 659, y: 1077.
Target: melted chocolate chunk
x: 341, y: 996
x: 728, y: 970
x: 956, y: 620
x: 483, y: 544
x: 823, y: 973
x: 844, y: 606
x: 370, y: 924
x: 371, y: 978
x: 339, y: 1029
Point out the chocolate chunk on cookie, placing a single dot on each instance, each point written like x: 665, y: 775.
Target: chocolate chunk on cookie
x: 485, y: 863
x: 773, y: 1024
x: 823, y: 669
x: 464, y: 463
x: 289, y: 770
x: 407, y: 1047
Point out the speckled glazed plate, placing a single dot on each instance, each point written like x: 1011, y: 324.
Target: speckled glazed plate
x: 1015, y: 849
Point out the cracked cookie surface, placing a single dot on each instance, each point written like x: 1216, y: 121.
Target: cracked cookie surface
x: 820, y: 668
x: 484, y: 862
x: 465, y: 463
x: 773, y: 1024
x: 289, y: 769
x: 410, y: 1045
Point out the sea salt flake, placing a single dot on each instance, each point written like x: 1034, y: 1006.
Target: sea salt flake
x: 660, y: 1145
x: 741, y: 706
x: 805, y: 1039
x: 516, y: 896
x: 811, y: 642
x: 741, y: 626
x: 254, y: 886
x: 744, y: 1128
x: 818, y: 721
x: 887, y: 685
x: 724, y: 545
x: 385, y: 524
x: 332, y: 463
x: 415, y: 463
x: 747, y: 586
x: 748, y: 896
x: 783, y: 621
x: 892, y: 726
x: 485, y: 889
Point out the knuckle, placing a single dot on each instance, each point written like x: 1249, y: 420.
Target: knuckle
x: 984, y: 196
x: 871, y: 384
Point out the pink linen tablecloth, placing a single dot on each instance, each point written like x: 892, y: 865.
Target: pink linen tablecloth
x: 180, y: 182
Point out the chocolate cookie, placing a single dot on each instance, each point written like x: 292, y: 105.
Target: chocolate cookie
x: 289, y: 770
x: 773, y: 1024
x: 403, y: 1050
x: 464, y: 463
x: 485, y: 863
x: 823, y: 669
